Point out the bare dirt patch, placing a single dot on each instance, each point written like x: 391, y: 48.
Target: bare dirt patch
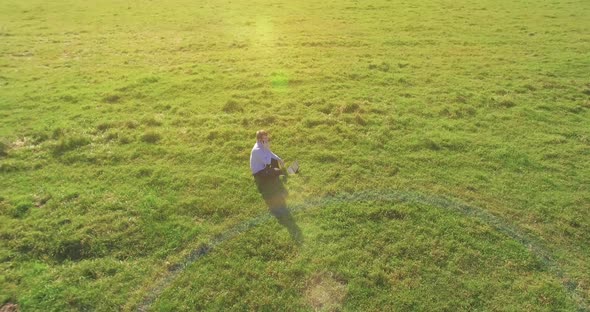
x: 20, y: 143
x: 9, y: 307
x: 325, y: 293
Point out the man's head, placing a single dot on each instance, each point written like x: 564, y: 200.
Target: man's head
x: 262, y: 138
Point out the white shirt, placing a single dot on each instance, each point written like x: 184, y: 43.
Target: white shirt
x: 260, y: 157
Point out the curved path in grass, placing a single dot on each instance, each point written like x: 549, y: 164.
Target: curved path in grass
x: 533, y: 244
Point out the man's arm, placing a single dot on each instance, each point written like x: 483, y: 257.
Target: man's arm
x: 277, y: 158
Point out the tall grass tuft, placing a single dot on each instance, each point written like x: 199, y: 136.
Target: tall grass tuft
x: 65, y: 145
x: 151, y: 137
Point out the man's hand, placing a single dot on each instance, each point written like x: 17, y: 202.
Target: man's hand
x: 278, y: 172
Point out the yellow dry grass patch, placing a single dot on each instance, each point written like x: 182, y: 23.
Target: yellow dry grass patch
x: 20, y: 143
x: 325, y: 293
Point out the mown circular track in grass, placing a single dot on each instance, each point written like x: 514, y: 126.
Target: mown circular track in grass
x: 532, y: 244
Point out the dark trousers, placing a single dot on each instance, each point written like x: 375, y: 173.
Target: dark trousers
x: 274, y: 193
x: 271, y: 188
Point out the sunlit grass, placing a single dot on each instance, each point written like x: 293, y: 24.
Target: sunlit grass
x: 126, y: 129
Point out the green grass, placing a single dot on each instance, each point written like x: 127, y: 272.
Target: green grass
x: 126, y: 129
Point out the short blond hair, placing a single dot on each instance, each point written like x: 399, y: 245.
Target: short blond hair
x: 260, y: 134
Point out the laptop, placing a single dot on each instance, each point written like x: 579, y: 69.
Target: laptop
x: 294, y: 168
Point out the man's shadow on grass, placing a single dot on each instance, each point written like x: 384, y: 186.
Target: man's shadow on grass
x: 272, y: 189
x: 277, y: 206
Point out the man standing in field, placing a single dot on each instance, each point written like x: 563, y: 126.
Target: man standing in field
x: 266, y: 167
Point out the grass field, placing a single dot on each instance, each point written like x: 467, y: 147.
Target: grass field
x: 444, y: 150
